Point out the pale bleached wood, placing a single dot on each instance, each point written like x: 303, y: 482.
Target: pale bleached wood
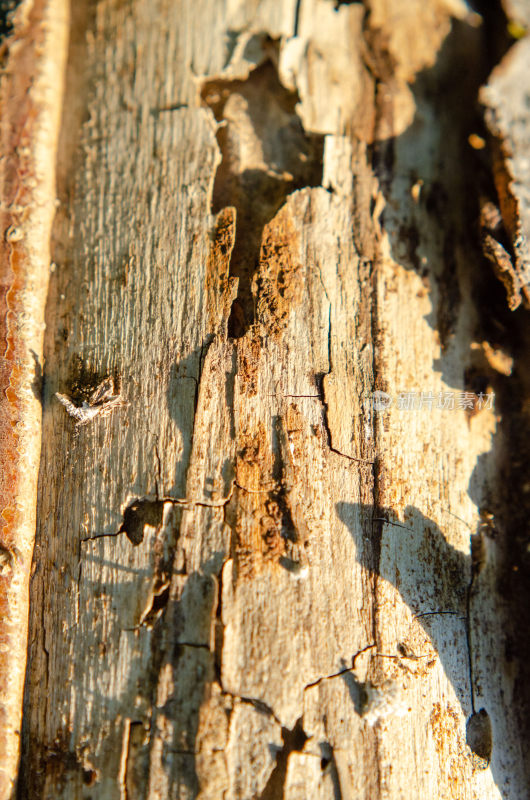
x: 232, y: 568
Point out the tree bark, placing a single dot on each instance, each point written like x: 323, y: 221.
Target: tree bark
x: 32, y: 64
x: 280, y: 547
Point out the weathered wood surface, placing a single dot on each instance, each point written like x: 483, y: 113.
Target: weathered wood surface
x: 32, y: 65
x: 505, y: 98
x: 248, y: 582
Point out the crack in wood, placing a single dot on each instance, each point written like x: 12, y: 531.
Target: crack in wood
x: 127, y: 753
x: 266, y: 155
x: 320, y: 385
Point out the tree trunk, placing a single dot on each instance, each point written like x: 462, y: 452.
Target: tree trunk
x: 281, y: 546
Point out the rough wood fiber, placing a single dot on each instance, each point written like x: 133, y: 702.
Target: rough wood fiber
x: 506, y: 97
x: 32, y: 69
x: 249, y: 583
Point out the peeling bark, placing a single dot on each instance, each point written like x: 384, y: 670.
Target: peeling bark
x: 32, y: 56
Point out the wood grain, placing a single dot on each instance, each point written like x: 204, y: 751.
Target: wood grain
x: 249, y: 582
x: 33, y: 56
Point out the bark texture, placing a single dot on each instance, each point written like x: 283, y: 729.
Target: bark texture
x: 32, y: 63
x: 249, y: 581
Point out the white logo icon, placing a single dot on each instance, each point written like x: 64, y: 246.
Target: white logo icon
x: 381, y: 401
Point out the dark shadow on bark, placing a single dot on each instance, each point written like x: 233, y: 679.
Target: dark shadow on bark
x: 437, y: 582
x: 174, y: 632
x: 7, y: 8
x: 432, y: 217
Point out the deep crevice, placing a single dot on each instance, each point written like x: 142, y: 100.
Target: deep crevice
x: 266, y: 155
x: 7, y: 7
x: 158, y: 605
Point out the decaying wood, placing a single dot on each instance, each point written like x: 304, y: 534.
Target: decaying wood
x: 32, y: 70
x: 506, y: 97
x: 250, y: 581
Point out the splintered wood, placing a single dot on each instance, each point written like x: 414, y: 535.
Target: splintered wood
x: 251, y: 580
